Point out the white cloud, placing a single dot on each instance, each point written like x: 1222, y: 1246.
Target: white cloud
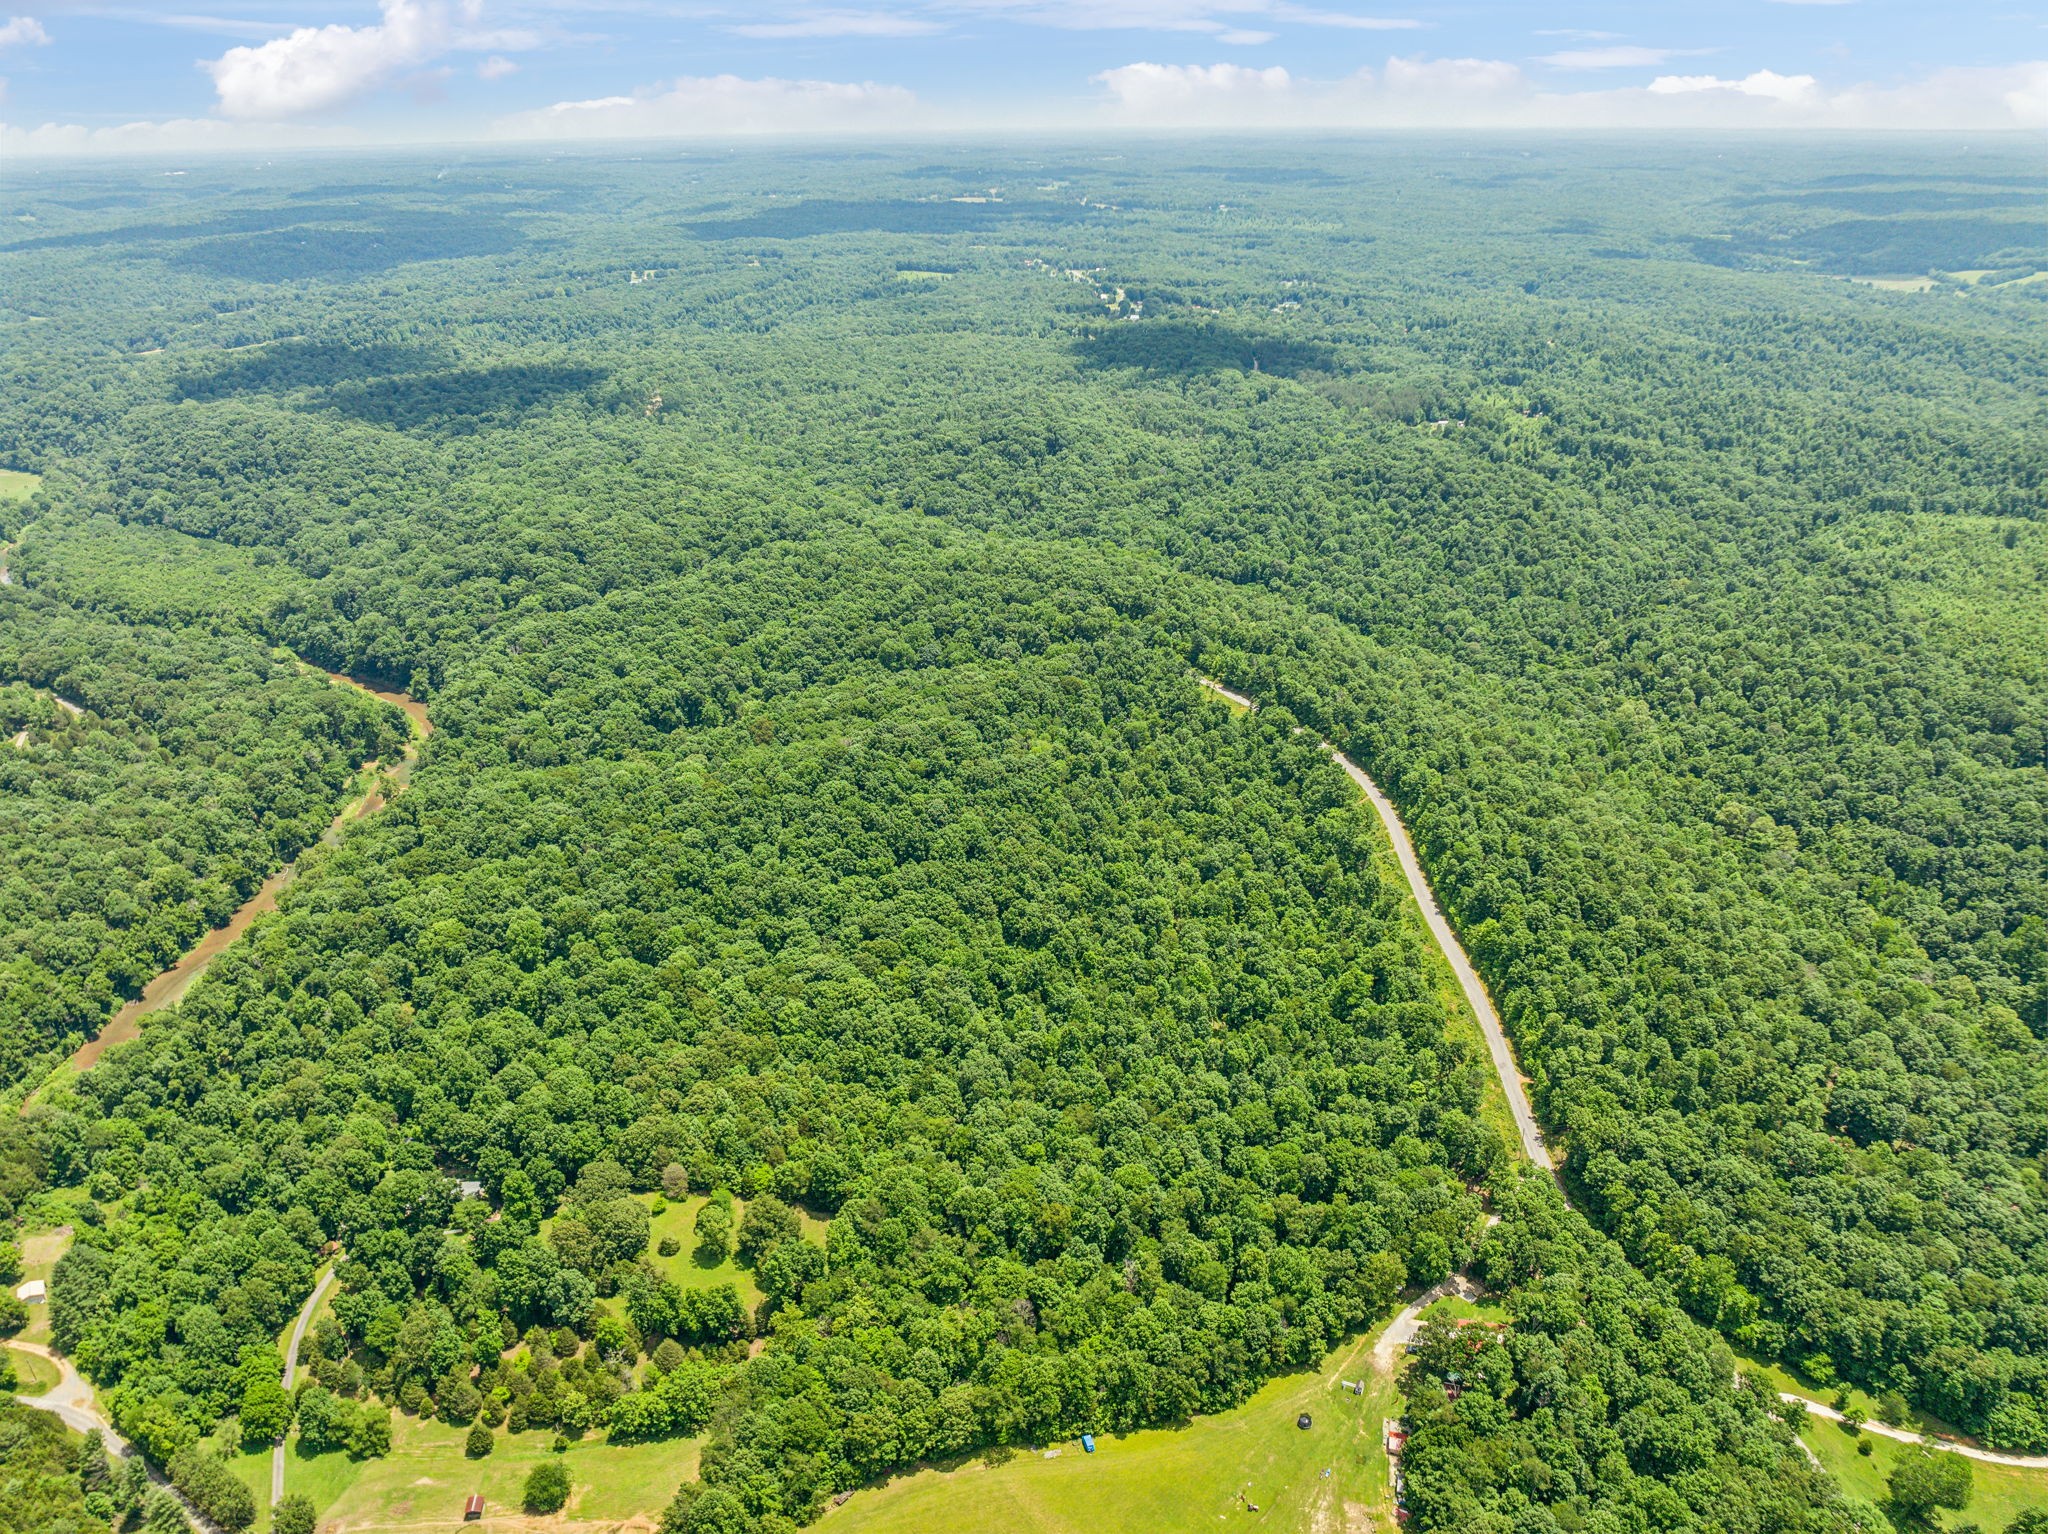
x: 1621, y: 57
x: 2027, y: 96
x: 1218, y: 18
x: 314, y: 69
x: 2011, y: 96
x: 185, y: 135
x: 1239, y: 37
x: 1314, y: 18
x: 724, y: 105
x: 496, y: 67
x: 1211, y: 94
x: 840, y: 24
x: 1453, y: 79
x: 1764, y: 82
x: 19, y: 31
x: 1493, y: 93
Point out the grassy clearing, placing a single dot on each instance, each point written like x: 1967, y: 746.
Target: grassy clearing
x: 678, y: 1221
x: 1998, y: 1494
x: 1897, y: 284
x: 18, y: 484
x: 1170, y: 1480
x: 39, y: 1255
x: 912, y: 274
x: 1458, y: 1308
x: 424, y: 1481
x: 36, y: 1373
x: 1857, y: 1399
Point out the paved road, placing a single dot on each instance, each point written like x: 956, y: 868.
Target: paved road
x: 70, y: 1398
x: 1504, y: 1066
x: 1401, y: 1331
x: 1906, y: 1435
x: 1518, y: 1098
x: 291, y: 1369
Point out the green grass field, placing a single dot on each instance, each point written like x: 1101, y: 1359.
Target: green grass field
x: 17, y: 484
x: 39, y: 1255
x: 1172, y: 1481
x: 1998, y: 1494
x: 424, y: 1481
x: 36, y: 1373
x: 683, y: 1269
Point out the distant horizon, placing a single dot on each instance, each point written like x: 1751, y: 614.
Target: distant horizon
x: 99, y: 77
x: 737, y: 144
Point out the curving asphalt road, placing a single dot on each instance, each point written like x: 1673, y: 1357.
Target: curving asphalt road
x: 1906, y: 1435
x: 1511, y: 1079
x: 1512, y: 1083
x: 291, y: 1368
x: 70, y: 1398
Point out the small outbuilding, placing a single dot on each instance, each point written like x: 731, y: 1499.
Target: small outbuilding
x: 1088, y: 1443
x: 34, y: 1292
x: 473, y: 1509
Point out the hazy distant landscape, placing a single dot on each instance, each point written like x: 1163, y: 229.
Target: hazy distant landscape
x: 703, y: 650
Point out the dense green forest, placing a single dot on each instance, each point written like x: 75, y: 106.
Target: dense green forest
x: 188, y: 766
x: 806, y: 569
x: 47, y: 1482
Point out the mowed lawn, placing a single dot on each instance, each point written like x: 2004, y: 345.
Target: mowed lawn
x: 39, y: 1257
x: 17, y: 485
x: 1998, y: 1494
x: 422, y: 1485
x: 35, y: 1372
x: 678, y: 1222
x: 1331, y: 1479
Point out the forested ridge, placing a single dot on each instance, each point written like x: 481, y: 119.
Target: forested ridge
x: 821, y: 813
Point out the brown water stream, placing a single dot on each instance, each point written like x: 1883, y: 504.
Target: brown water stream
x: 169, y: 988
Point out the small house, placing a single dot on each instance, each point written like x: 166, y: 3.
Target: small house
x: 467, y: 1188
x: 34, y: 1292
x: 473, y: 1509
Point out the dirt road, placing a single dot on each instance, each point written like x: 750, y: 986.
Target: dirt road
x: 291, y: 1369
x: 1511, y: 1079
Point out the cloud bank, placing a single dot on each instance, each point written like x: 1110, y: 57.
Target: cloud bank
x: 20, y: 31
x: 316, y: 69
x: 1494, y: 93
x: 723, y: 105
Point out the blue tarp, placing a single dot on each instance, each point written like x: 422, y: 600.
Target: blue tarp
x: 1088, y: 1442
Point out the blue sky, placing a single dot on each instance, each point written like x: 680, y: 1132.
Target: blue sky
x: 175, y: 74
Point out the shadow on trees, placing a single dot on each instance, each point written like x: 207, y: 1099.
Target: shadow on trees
x: 804, y: 220
x: 277, y: 245
x: 299, y: 364
x: 309, y: 250
x: 463, y: 401
x: 1890, y: 202
x: 1880, y: 246
x: 1167, y: 347
x: 242, y: 222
